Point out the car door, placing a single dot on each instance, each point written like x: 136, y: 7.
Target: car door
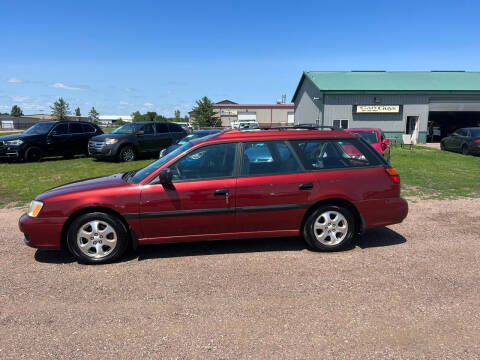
x: 273, y: 190
x: 163, y: 138
x: 146, y: 139
x: 58, y: 140
x: 198, y: 203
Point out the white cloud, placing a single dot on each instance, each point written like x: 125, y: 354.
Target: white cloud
x: 68, y: 87
x: 129, y: 89
x: 19, y: 99
x: 147, y: 104
x: 124, y: 103
x: 14, y: 80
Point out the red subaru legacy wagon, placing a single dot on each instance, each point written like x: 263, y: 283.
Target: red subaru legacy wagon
x: 324, y: 185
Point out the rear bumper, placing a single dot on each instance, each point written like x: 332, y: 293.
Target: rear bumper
x: 384, y: 212
x: 42, y: 233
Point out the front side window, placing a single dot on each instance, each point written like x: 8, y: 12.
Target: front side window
x: 334, y: 154
x: 208, y: 162
x: 39, y: 128
x: 60, y: 129
x: 148, y: 129
x: 268, y: 158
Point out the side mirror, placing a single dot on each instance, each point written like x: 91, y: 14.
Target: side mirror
x: 140, y: 132
x: 386, y: 141
x: 165, y: 176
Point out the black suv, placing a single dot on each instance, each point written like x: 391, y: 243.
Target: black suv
x: 49, y: 138
x: 127, y: 142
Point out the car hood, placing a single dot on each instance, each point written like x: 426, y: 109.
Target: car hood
x: 18, y: 136
x: 103, y: 137
x: 97, y: 183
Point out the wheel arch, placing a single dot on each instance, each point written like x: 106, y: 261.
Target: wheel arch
x: 133, y: 238
x: 360, y: 225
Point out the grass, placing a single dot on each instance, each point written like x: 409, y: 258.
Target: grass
x: 21, y: 182
x: 433, y: 174
x: 426, y: 173
x: 3, y: 133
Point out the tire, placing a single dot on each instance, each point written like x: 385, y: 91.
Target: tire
x: 442, y: 146
x: 340, y: 219
x: 97, y: 238
x: 465, y: 150
x: 33, y: 154
x: 127, y: 153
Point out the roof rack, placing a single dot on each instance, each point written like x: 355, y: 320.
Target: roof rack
x: 303, y: 127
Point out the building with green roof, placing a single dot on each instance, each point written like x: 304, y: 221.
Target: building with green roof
x: 420, y: 103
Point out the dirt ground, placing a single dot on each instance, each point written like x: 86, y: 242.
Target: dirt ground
x: 410, y: 291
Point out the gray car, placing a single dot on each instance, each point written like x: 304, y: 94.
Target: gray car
x: 465, y: 140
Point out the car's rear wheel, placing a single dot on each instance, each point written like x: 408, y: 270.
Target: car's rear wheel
x: 127, y: 153
x: 33, y: 154
x: 329, y: 228
x: 97, y: 238
x: 465, y: 150
x: 442, y: 146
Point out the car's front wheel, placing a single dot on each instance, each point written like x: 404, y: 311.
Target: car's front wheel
x: 442, y: 146
x: 329, y: 228
x: 33, y: 154
x: 127, y: 153
x: 465, y: 150
x: 97, y: 238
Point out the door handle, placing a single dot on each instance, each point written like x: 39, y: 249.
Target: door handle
x: 221, y: 192
x: 306, y: 186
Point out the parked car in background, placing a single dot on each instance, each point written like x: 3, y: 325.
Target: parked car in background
x: 375, y: 138
x: 194, y: 135
x: 129, y: 141
x: 465, y: 140
x: 49, y: 138
x: 231, y: 185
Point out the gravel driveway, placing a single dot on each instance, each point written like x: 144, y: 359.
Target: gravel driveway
x: 407, y: 291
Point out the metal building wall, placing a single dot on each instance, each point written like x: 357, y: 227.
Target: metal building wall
x: 308, y: 111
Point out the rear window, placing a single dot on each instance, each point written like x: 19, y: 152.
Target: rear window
x: 475, y: 132
x: 369, y: 136
x: 268, y: 157
x: 76, y: 128
x: 174, y: 128
x: 334, y: 154
x: 161, y: 127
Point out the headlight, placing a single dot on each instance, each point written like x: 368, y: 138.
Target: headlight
x: 162, y: 153
x: 111, y: 141
x: 15, y: 142
x: 34, y: 208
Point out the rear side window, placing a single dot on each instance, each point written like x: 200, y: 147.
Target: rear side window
x: 174, y: 128
x: 268, y: 158
x: 88, y: 128
x: 161, y: 128
x: 76, y: 128
x: 334, y: 154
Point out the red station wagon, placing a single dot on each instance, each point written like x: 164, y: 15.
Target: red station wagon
x: 326, y: 186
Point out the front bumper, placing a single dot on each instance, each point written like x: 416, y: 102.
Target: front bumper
x: 42, y: 233
x: 104, y: 151
x: 10, y: 152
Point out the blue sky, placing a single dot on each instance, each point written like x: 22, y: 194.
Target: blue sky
x: 122, y: 56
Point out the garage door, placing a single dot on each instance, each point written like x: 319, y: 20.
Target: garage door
x: 460, y: 105
x: 242, y: 116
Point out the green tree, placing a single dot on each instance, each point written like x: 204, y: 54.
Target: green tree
x: 77, y: 112
x: 177, y: 115
x: 60, y: 109
x: 93, y: 115
x: 136, y: 116
x: 203, y: 113
x: 16, y: 111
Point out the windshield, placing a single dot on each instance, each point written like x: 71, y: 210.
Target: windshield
x: 127, y: 129
x: 369, y: 136
x: 39, y: 128
x: 146, y: 171
x: 475, y: 132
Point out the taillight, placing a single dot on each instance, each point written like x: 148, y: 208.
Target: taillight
x: 476, y: 141
x: 393, y: 174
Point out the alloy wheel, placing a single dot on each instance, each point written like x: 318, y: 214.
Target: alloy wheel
x: 96, y: 239
x: 330, y: 228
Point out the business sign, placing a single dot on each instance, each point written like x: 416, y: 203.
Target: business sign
x: 228, y: 112
x: 383, y: 109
